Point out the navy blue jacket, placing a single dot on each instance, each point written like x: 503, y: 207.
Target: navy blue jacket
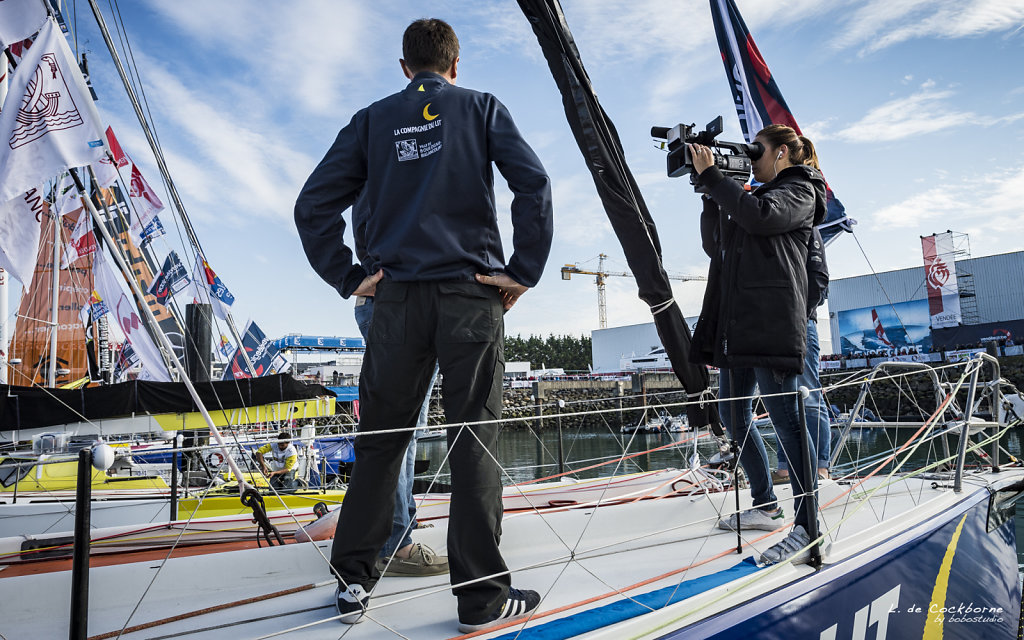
x: 421, y: 161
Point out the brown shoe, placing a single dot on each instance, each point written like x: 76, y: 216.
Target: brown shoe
x: 422, y: 561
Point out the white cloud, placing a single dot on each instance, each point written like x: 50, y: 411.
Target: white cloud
x: 305, y: 55
x: 257, y: 174
x: 988, y: 204
x: 883, y: 23
x: 923, y: 112
x: 914, y: 211
x: 580, y: 220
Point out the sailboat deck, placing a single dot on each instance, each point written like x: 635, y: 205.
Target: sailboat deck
x: 579, y: 560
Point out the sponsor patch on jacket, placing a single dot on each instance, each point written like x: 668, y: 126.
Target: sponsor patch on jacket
x: 407, y: 150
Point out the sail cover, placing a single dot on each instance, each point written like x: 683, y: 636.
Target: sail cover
x: 623, y: 203
x: 23, y: 407
x: 759, y: 102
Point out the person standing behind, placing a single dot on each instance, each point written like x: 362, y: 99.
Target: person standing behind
x: 818, y: 423
x: 753, y: 322
x: 422, y: 159
x: 400, y: 556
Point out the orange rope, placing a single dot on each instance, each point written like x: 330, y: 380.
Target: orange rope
x: 927, y: 423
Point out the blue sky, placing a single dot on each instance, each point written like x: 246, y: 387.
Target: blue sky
x: 917, y: 109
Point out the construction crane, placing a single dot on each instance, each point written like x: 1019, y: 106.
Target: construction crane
x: 601, y: 275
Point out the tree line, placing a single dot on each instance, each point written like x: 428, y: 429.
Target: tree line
x: 564, y: 352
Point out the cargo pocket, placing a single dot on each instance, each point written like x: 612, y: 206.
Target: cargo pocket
x: 468, y: 312
x: 387, y: 326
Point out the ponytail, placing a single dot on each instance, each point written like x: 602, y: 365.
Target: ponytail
x: 806, y: 153
x: 801, y: 149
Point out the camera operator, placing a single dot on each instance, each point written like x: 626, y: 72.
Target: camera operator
x: 753, y: 324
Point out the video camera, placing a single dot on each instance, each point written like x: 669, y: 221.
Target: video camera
x: 732, y: 158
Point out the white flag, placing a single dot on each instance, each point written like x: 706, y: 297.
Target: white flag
x: 52, y: 123
x: 19, y: 234
x: 108, y: 285
x: 206, y: 288
x: 67, y: 199
x: 19, y: 19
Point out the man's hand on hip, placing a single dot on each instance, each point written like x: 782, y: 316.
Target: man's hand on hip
x: 510, y: 289
x: 369, y: 285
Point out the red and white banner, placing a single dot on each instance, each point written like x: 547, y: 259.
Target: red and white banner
x: 940, y: 279
x: 145, y: 202
x: 82, y: 242
x: 105, y: 168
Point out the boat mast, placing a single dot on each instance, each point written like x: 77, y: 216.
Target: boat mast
x: 5, y: 341
x: 161, y: 164
x: 51, y: 370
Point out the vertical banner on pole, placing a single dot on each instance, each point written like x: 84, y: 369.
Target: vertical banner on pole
x: 940, y: 279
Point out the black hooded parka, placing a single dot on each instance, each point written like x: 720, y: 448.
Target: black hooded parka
x: 755, y: 305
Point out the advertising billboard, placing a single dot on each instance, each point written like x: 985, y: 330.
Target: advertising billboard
x: 900, y: 328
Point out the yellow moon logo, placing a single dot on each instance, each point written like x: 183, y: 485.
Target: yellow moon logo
x: 426, y: 113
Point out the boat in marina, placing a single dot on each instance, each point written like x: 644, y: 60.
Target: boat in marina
x: 659, y: 423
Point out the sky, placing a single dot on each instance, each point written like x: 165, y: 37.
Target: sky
x: 916, y: 108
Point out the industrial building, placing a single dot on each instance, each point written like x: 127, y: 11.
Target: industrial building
x: 892, y: 307
x: 887, y: 311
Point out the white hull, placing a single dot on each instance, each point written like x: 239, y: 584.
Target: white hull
x: 634, y: 547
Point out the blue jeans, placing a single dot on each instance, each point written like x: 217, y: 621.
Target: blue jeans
x: 818, y: 423
x: 405, y: 505
x: 784, y: 414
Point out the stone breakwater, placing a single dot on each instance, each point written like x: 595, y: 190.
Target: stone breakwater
x: 605, y: 403
x: 616, y: 403
x: 620, y: 402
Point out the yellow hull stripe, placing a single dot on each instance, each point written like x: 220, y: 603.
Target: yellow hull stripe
x: 933, y: 625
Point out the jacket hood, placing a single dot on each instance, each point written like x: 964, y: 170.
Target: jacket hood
x: 817, y: 183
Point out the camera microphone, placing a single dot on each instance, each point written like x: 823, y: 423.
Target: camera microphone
x: 660, y: 132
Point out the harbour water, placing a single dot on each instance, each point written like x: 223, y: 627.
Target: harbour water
x: 527, y: 455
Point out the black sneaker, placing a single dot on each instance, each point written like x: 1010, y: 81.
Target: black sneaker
x: 351, y: 603
x: 520, y: 604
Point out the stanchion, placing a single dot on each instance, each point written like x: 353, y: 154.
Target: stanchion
x: 174, y: 480
x: 810, y: 503
x: 561, y: 456
x: 100, y: 457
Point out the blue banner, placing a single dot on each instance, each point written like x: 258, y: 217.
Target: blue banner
x: 320, y: 342
x: 265, y: 357
x: 172, y: 278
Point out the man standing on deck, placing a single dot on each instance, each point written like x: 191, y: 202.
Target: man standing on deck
x: 422, y: 159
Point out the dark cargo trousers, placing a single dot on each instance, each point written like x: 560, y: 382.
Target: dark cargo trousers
x: 460, y: 325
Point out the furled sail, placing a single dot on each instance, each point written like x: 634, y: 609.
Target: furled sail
x: 623, y: 203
